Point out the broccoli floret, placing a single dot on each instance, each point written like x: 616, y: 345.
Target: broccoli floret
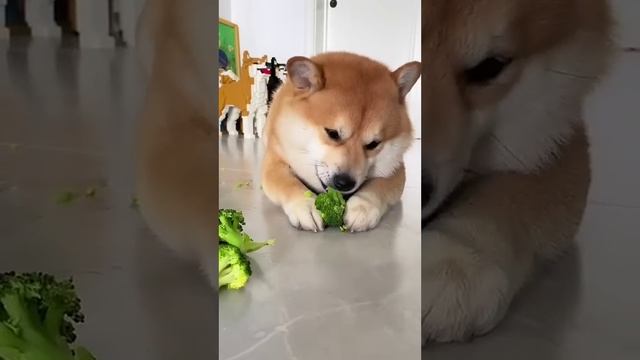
x: 37, y: 316
x: 233, y: 219
x: 227, y: 255
x: 230, y: 230
x: 331, y: 206
x: 234, y: 269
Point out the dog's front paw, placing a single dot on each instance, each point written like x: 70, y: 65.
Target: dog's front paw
x: 463, y: 293
x: 362, y: 214
x: 303, y: 214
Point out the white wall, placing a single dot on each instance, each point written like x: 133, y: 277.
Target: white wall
x: 39, y: 16
x: 282, y: 28
x: 383, y: 31
x: 93, y: 24
x: 414, y: 98
x: 224, y: 9
x: 129, y: 12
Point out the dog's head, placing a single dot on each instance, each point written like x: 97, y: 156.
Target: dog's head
x: 248, y: 61
x: 340, y: 119
x: 499, y: 68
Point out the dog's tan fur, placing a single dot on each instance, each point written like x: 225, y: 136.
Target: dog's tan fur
x: 364, y: 101
x: 520, y: 140
x: 177, y: 184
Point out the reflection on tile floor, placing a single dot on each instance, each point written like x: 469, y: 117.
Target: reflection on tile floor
x: 66, y: 123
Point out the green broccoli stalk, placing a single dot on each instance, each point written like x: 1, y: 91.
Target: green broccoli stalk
x: 331, y: 205
x: 230, y: 231
x: 234, y: 268
x: 37, y: 314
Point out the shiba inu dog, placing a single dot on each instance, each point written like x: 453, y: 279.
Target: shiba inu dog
x: 339, y: 121
x: 176, y: 149
x: 504, y: 85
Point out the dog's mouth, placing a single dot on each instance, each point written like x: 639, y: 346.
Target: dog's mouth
x: 319, y: 176
x: 426, y: 219
x: 468, y: 176
x: 325, y: 186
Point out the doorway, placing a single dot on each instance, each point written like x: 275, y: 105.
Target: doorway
x: 381, y: 30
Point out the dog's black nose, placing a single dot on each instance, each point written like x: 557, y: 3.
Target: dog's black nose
x: 343, y: 182
x: 427, y: 190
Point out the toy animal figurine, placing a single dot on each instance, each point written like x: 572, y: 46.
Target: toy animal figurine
x: 258, y: 107
x: 274, y: 81
x: 226, y: 77
x: 231, y: 114
x: 238, y: 94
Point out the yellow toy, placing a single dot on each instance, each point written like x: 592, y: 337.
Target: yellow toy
x: 237, y: 94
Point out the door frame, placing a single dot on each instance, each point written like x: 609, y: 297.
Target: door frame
x: 321, y: 12
x: 321, y: 21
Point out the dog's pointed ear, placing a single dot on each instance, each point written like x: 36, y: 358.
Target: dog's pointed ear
x: 305, y: 75
x: 406, y: 76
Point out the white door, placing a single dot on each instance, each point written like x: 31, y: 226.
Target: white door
x: 385, y: 30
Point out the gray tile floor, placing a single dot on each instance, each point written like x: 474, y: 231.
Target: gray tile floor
x: 66, y: 122
x: 586, y: 306
x: 327, y: 295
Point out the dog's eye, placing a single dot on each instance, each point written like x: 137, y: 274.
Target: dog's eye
x: 372, y: 145
x: 487, y: 70
x: 333, y: 134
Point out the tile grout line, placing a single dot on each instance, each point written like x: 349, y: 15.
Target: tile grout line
x: 16, y: 146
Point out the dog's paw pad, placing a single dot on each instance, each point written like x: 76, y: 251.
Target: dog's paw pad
x: 361, y: 214
x: 304, y: 215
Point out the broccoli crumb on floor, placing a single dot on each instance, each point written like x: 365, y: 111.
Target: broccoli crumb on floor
x: 91, y: 192
x: 134, y: 204
x: 70, y: 196
x: 247, y: 184
x: 67, y: 197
